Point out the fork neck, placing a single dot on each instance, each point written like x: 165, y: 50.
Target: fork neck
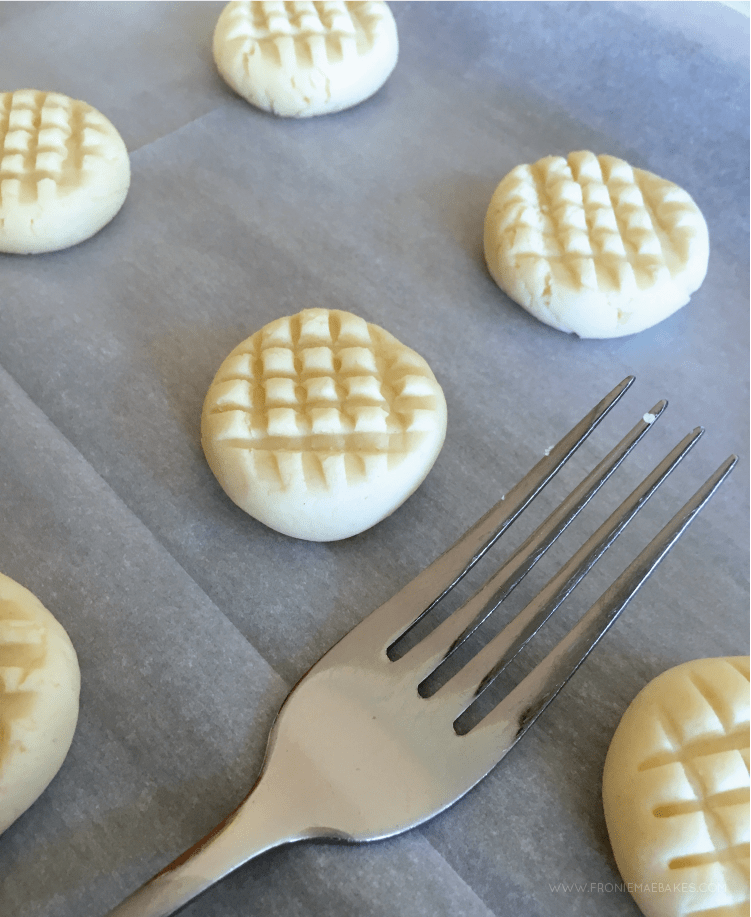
x: 264, y: 820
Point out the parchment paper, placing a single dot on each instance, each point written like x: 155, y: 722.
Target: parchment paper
x: 191, y: 620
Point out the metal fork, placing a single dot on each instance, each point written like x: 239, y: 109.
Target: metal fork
x: 358, y: 753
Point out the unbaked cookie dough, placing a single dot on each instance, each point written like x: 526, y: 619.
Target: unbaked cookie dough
x: 64, y: 171
x: 676, y: 791
x: 590, y: 245
x: 321, y: 424
x: 39, y: 687
x: 301, y: 58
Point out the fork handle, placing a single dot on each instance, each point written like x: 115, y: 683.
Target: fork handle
x: 257, y: 825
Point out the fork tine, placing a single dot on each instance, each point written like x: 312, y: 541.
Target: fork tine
x: 461, y: 690
x: 509, y: 720
x: 415, y: 599
x: 437, y: 646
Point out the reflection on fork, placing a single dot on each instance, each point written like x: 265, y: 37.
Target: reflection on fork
x: 362, y: 749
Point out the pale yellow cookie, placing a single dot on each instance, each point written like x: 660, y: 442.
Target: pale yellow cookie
x: 39, y: 688
x: 589, y: 245
x: 302, y: 58
x: 321, y: 424
x: 64, y: 171
x: 676, y: 791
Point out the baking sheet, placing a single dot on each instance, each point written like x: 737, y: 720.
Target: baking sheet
x: 191, y: 620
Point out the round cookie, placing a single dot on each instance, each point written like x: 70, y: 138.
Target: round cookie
x: 589, y: 245
x: 64, y: 171
x: 300, y: 59
x: 39, y: 687
x: 320, y: 424
x: 676, y: 791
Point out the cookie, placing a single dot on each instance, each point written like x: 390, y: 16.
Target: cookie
x: 64, y: 171
x: 320, y: 424
x: 301, y: 58
x: 39, y: 688
x: 676, y: 791
x: 590, y: 245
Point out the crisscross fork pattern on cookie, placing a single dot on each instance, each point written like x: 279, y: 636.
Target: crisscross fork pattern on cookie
x: 47, y: 141
x: 714, y: 775
x: 321, y: 393
x: 23, y: 645
x: 307, y: 32
x: 605, y: 223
